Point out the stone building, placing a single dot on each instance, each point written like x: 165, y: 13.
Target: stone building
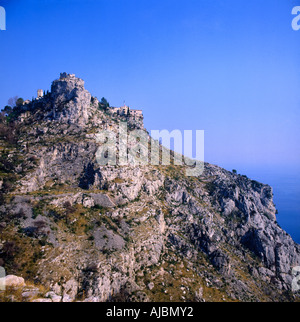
x: 66, y: 75
x: 40, y: 93
x: 125, y: 110
x: 137, y: 113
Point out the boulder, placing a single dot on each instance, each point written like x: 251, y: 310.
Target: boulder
x: 12, y: 281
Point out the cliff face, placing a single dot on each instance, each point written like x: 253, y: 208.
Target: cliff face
x: 138, y: 233
x: 70, y: 100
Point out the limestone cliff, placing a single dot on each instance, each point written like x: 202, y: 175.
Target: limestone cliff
x: 134, y: 233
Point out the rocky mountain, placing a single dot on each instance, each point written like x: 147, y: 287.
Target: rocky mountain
x: 79, y: 231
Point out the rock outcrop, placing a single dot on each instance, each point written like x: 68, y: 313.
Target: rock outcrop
x: 70, y: 100
x: 12, y: 281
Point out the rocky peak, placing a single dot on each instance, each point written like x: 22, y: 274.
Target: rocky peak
x: 68, y: 85
x: 70, y: 100
x: 70, y: 103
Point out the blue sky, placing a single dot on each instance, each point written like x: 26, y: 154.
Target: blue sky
x: 230, y: 67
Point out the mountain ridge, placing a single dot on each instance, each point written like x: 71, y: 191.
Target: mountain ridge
x: 130, y: 233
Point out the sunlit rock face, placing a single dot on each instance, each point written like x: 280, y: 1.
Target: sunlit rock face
x: 71, y: 101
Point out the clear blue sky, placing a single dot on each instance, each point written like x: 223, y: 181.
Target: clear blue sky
x: 228, y: 67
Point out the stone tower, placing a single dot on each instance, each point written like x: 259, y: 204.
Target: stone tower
x: 40, y: 93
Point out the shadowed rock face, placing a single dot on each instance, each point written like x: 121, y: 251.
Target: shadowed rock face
x: 140, y: 233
